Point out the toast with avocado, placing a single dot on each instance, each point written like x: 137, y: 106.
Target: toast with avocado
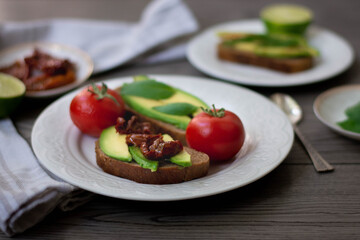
x: 285, y: 53
x: 131, y: 150
x: 167, y: 173
x: 169, y: 109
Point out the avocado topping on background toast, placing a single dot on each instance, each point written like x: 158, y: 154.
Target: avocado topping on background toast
x: 266, y: 45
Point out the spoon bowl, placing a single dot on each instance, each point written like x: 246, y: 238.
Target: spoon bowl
x: 290, y: 107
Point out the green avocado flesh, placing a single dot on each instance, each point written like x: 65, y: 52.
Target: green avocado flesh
x: 182, y: 158
x: 285, y: 52
x: 145, y: 106
x: 141, y: 160
x: 114, y: 145
x: 273, y: 46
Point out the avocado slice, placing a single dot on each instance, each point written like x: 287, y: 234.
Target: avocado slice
x: 272, y: 45
x: 285, y: 52
x: 146, y: 106
x: 182, y: 158
x: 114, y: 144
x: 141, y: 160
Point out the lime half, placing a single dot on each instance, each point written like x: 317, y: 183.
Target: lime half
x: 286, y: 18
x: 12, y: 91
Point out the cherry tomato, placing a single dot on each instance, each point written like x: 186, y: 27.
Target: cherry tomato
x: 218, y: 133
x: 96, y: 108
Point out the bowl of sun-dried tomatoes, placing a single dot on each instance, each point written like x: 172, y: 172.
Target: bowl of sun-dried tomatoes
x: 46, y: 69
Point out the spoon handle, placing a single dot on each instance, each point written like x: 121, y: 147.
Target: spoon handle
x: 318, y: 161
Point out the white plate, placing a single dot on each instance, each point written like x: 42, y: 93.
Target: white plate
x: 83, y: 63
x: 336, y: 56
x: 67, y: 153
x: 330, y: 107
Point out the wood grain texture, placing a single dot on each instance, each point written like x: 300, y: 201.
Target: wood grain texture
x: 292, y: 202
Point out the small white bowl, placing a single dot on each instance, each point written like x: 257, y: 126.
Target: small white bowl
x: 330, y: 106
x: 82, y: 61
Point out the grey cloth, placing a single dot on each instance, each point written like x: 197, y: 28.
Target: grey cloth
x: 27, y: 192
x: 110, y: 44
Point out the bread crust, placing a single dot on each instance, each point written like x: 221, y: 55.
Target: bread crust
x: 166, y: 174
x: 287, y: 65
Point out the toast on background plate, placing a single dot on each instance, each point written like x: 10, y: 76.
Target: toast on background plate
x: 284, y: 53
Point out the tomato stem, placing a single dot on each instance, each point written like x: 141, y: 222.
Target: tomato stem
x: 102, y: 92
x: 214, y: 112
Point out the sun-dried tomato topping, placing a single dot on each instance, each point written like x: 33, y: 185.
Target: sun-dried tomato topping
x: 47, y: 64
x: 133, y: 126
x: 153, y: 146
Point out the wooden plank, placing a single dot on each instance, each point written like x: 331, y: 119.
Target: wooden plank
x: 292, y: 202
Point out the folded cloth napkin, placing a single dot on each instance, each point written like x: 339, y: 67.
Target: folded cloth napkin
x: 110, y: 44
x: 27, y: 191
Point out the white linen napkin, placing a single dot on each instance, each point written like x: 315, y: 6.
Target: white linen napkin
x: 27, y: 192
x: 109, y: 43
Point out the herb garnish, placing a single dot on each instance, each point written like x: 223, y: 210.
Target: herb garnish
x: 150, y: 89
x: 352, y: 123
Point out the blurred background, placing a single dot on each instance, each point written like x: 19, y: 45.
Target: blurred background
x: 23, y: 10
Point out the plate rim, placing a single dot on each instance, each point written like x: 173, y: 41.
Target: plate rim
x: 326, y: 94
x: 122, y: 79
x: 49, y: 93
x: 210, y: 73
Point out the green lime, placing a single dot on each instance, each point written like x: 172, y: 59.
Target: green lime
x: 12, y: 91
x: 286, y: 18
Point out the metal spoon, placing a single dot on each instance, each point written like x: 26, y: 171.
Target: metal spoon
x: 294, y: 113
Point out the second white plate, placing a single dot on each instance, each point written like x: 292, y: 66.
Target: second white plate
x: 336, y: 56
x: 69, y: 154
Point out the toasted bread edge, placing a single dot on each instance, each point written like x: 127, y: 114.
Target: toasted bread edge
x: 166, y: 173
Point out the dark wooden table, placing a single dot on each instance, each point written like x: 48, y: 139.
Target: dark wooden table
x: 292, y: 202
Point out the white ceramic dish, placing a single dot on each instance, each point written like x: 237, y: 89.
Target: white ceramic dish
x: 330, y: 107
x: 83, y: 63
x: 336, y: 56
x: 63, y: 150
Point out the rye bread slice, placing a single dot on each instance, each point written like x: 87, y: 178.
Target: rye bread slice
x: 287, y: 65
x: 167, y: 173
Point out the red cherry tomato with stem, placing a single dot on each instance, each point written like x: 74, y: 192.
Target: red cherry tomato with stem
x: 218, y: 133
x: 96, y: 108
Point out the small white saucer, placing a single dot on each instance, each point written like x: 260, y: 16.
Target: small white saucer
x: 82, y: 61
x: 330, y: 106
